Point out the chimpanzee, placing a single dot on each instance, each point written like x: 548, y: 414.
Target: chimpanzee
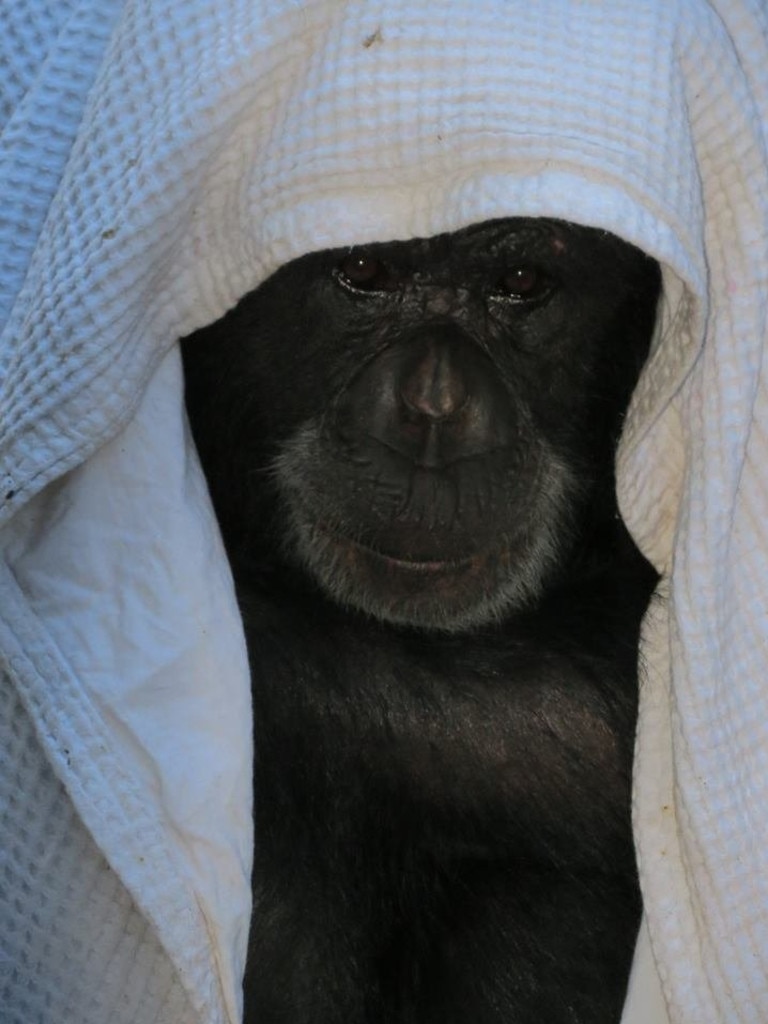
x: 410, y: 450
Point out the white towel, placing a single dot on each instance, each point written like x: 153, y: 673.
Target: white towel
x: 157, y: 160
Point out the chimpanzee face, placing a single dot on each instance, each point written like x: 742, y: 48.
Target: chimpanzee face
x: 425, y: 428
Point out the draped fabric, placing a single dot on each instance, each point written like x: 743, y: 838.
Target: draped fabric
x: 158, y: 160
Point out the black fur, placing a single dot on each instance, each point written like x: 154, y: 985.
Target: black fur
x: 410, y: 451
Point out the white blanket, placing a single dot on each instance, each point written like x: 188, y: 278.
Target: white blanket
x: 157, y: 160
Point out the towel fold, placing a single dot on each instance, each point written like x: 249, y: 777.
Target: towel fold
x: 157, y: 161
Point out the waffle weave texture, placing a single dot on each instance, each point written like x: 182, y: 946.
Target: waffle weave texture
x: 158, y: 160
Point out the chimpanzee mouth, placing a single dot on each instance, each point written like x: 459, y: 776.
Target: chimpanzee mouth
x: 414, y: 590
x: 454, y: 593
x: 417, y: 566
x: 416, y: 563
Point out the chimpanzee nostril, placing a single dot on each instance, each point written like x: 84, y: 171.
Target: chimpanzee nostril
x: 433, y: 386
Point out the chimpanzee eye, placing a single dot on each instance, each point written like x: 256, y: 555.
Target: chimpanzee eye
x: 365, y: 273
x: 522, y: 283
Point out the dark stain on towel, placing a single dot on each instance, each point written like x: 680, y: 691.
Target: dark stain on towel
x: 373, y: 38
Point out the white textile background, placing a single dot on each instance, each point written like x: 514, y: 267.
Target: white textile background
x: 157, y: 160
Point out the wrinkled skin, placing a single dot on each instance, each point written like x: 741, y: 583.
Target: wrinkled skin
x: 410, y: 451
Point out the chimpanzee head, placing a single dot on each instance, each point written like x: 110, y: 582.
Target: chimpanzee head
x: 425, y: 429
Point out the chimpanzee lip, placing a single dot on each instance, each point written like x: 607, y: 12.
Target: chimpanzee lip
x: 418, y: 565
x: 425, y: 566
x: 441, y: 593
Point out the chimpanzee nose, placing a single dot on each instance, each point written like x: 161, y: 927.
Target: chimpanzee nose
x: 433, y: 386
x: 433, y: 398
